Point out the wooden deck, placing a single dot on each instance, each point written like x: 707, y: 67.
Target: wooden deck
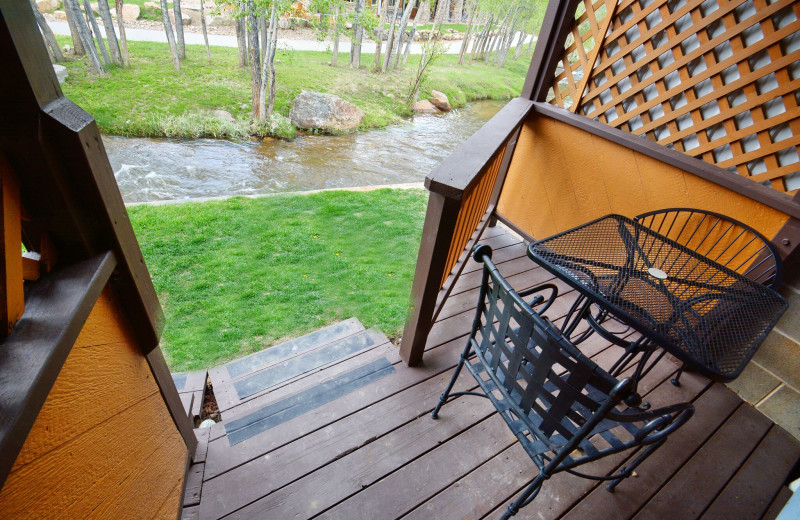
x: 375, y: 453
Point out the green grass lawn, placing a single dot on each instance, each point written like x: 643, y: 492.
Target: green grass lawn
x: 151, y: 99
x: 239, y: 275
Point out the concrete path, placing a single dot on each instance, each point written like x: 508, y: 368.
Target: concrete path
x: 147, y: 35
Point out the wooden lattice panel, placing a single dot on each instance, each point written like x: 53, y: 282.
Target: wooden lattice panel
x: 582, y: 45
x: 716, y: 79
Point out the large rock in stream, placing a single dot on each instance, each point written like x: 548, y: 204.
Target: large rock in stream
x: 326, y: 112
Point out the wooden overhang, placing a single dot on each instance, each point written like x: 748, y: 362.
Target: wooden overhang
x: 68, y: 191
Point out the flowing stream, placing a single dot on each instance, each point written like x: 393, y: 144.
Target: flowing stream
x: 180, y: 169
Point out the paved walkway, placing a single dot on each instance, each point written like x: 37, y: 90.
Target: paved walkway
x: 147, y: 35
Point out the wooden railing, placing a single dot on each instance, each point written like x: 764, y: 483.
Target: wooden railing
x: 464, y: 190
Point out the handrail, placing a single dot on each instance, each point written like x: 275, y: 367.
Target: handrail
x: 461, y: 203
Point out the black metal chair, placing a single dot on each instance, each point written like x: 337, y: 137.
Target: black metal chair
x: 564, y: 409
x: 728, y: 242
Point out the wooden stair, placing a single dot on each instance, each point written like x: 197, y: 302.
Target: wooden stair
x: 263, y: 390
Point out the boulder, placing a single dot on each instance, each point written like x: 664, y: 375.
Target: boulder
x: 326, y: 112
x: 60, y: 15
x: 152, y: 5
x: 224, y: 115
x: 221, y: 20
x: 424, y: 107
x: 440, y: 101
x: 66, y: 49
x: 47, y: 6
x: 61, y: 73
x: 283, y: 23
x: 185, y: 18
x: 130, y: 12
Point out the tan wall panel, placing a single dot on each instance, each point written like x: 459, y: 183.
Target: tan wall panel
x: 106, y: 324
x: 104, y: 441
x: 561, y: 176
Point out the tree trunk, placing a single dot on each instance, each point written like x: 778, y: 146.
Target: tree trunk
x: 73, y: 30
x: 457, y: 11
x: 408, y: 44
x: 376, y: 65
x: 241, y: 34
x: 173, y: 50
x: 96, y: 29
x: 358, y: 34
x: 390, y: 40
x: 262, y: 30
x: 47, y: 34
x: 424, y: 12
x: 84, y: 35
x: 176, y: 8
x: 205, y: 32
x: 508, y: 39
x: 272, y: 48
x: 122, y: 39
x: 468, y: 33
x: 476, y: 47
x: 335, y: 56
x: 520, y: 46
x: 111, y: 36
x: 401, y: 32
x: 265, y: 42
x: 255, y: 62
x: 530, y: 45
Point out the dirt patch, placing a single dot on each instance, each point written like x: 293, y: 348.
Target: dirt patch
x: 210, y: 409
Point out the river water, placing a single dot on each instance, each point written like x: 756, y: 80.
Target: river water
x: 180, y: 169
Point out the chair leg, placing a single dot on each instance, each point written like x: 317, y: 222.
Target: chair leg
x: 525, y: 498
x: 459, y: 366
x: 677, y: 379
x: 627, y: 471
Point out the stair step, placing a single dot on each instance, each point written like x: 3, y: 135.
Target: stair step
x: 264, y: 358
x: 279, y: 412
x: 296, y: 366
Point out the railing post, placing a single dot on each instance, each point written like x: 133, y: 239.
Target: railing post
x: 11, y: 290
x: 437, y: 234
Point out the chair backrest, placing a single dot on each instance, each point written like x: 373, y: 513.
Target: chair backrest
x: 722, y: 239
x: 546, y: 382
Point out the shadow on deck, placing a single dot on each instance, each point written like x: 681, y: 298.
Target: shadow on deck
x: 375, y: 453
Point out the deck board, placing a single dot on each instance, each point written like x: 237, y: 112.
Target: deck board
x: 377, y: 454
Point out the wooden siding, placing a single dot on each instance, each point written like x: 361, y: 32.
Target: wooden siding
x: 715, y: 79
x: 104, y: 444
x: 562, y: 176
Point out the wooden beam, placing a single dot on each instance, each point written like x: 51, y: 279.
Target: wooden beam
x: 67, y: 183
x: 12, y: 297
x: 437, y: 233
x: 599, y: 42
x: 549, y: 48
x: 31, y: 266
x: 155, y: 358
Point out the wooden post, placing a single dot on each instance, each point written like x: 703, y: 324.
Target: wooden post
x: 12, y: 303
x: 437, y: 233
x: 549, y: 48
